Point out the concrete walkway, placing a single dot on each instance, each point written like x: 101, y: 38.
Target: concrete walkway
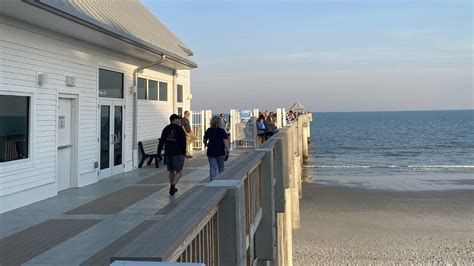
x: 85, y: 226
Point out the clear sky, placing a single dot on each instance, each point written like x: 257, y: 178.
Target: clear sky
x: 352, y: 55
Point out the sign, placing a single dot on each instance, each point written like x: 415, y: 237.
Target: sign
x: 245, y: 115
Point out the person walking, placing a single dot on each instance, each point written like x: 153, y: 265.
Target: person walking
x: 173, y: 138
x: 261, y: 129
x: 190, y: 137
x: 217, y: 143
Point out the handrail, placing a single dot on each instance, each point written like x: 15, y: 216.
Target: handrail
x: 239, y: 170
x: 166, y: 239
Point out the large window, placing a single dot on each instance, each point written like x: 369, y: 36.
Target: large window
x: 163, y: 91
x: 14, y: 127
x: 179, y: 94
x: 110, y: 84
x: 142, y: 89
x: 152, y: 90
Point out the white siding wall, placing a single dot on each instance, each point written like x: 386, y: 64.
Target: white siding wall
x: 150, y: 124
x: 26, y: 51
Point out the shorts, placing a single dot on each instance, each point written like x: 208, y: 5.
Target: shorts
x: 175, y: 163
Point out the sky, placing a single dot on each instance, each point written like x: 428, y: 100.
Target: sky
x: 340, y: 55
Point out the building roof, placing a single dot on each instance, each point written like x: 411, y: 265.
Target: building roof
x: 297, y: 107
x: 127, y: 19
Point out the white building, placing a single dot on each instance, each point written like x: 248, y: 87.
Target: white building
x: 70, y: 113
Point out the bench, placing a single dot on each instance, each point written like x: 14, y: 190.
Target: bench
x: 148, y: 149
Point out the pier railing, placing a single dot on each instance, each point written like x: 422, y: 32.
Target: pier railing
x: 244, y: 217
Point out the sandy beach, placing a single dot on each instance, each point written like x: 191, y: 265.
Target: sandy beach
x: 341, y: 225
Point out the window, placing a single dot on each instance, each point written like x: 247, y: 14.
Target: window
x: 110, y: 84
x: 152, y: 90
x: 180, y: 111
x: 163, y: 91
x: 141, y: 89
x: 179, y: 96
x: 14, y: 127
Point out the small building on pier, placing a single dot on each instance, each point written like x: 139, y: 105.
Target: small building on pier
x: 81, y: 83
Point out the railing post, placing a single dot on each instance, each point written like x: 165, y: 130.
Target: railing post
x: 290, y: 156
x: 254, y: 131
x: 279, y: 167
x: 232, y: 224
x: 203, y: 127
x: 232, y: 127
x: 296, y: 176
x: 279, y: 117
x: 255, y: 112
x: 265, y: 236
x: 305, y: 139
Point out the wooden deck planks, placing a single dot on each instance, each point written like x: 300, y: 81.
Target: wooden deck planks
x: 173, y: 204
x: 116, y: 201
x: 162, y: 178
x: 27, y: 244
x: 103, y: 256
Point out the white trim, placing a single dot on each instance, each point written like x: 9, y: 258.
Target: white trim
x: 158, y: 80
x: 112, y: 102
x: 124, y: 92
x: 75, y: 138
x: 28, y: 162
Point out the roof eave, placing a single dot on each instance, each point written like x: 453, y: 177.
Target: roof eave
x: 155, y: 50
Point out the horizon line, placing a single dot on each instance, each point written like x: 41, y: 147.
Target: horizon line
x: 372, y: 111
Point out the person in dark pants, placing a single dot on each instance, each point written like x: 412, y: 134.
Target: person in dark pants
x: 217, y: 143
x: 173, y: 138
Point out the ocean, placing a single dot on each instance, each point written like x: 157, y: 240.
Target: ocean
x: 408, y: 150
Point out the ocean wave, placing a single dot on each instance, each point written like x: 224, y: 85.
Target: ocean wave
x: 440, y: 166
x: 392, y: 166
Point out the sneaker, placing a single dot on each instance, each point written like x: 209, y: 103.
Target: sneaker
x: 172, y: 190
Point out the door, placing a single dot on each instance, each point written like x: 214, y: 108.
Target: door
x: 65, y: 144
x: 111, y: 138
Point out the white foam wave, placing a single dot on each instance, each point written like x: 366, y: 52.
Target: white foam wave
x: 392, y: 166
x: 441, y: 166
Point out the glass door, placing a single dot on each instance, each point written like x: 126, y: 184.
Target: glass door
x: 117, y: 141
x: 111, y: 139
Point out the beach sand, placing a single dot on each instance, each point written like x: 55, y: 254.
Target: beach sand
x: 341, y: 225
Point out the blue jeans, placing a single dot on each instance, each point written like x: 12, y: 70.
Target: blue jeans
x: 216, y: 163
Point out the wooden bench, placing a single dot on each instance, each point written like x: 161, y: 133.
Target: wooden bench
x: 148, y: 149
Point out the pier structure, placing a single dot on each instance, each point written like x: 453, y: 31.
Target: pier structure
x: 244, y: 217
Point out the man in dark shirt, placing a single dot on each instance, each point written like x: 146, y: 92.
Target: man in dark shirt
x: 173, y: 138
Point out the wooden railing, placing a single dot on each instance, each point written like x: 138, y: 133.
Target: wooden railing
x: 240, y: 216
x: 252, y: 196
x: 204, y: 247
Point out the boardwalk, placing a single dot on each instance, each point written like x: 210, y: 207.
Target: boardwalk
x: 85, y: 226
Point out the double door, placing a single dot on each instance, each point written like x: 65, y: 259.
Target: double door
x: 111, y: 138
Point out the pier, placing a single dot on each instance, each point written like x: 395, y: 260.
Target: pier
x: 244, y: 217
